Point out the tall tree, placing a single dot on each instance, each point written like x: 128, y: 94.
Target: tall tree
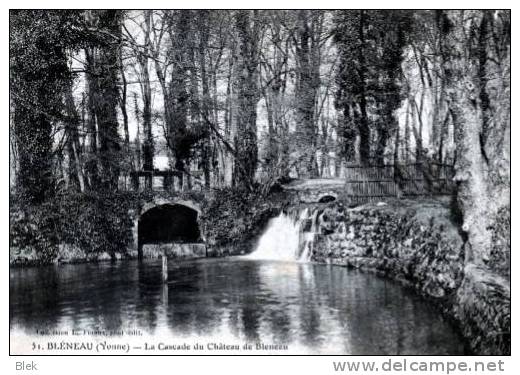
x: 204, y: 23
x: 307, y: 45
x: 351, y: 99
x: 109, y: 21
x: 370, y: 46
x: 247, y: 25
x: 39, y: 76
x: 474, y: 64
x: 102, y: 65
x: 391, y: 28
x: 274, y: 77
x: 75, y: 166
x: 142, y: 53
x: 178, y: 141
x: 91, y: 164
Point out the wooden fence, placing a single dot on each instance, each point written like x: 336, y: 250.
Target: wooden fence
x: 372, y: 183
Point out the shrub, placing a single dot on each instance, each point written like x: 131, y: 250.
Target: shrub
x: 96, y: 222
x: 93, y: 222
x: 34, y: 229
x: 232, y: 214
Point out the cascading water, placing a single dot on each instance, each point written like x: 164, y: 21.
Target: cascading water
x: 280, y: 241
x: 289, y: 237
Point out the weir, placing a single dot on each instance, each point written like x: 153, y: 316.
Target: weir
x: 291, y: 235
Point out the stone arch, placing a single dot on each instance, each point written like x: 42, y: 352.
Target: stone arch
x: 162, y: 201
x: 168, y: 221
x: 328, y: 197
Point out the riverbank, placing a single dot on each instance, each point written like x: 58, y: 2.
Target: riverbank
x: 419, y: 244
x: 415, y: 242
x: 65, y: 254
x: 80, y: 228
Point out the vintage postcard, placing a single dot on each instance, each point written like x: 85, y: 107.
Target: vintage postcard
x: 259, y: 182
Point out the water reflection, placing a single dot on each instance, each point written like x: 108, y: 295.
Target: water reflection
x: 323, y: 308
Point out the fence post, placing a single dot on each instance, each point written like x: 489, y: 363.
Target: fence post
x: 164, y: 259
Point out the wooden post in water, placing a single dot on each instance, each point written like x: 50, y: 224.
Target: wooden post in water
x: 164, y: 267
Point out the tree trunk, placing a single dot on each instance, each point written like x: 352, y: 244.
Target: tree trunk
x: 75, y: 168
x: 364, y: 129
x: 33, y: 133
x: 306, y: 88
x: 124, y: 95
x: 479, y: 196
x: 205, y: 104
x: 406, y: 140
x: 247, y: 97
x: 146, y: 91
x: 109, y: 141
x: 91, y: 165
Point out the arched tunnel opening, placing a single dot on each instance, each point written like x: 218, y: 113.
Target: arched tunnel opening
x: 168, y: 223
x: 327, y: 199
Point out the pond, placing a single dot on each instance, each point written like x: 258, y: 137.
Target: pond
x: 301, y: 307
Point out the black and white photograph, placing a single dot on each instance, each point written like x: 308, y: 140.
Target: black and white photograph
x: 259, y: 182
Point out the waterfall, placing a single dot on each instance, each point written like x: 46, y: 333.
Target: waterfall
x: 289, y: 237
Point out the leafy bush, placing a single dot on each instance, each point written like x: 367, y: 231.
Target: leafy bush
x: 232, y: 214
x: 96, y: 223
x: 34, y: 229
x: 92, y: 222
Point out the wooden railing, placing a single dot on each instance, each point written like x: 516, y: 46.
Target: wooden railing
x: 371, y: 183
x: 149, y: 180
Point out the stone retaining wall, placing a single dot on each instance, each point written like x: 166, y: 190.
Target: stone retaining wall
x: 419, y: 245
x: 175, y: 250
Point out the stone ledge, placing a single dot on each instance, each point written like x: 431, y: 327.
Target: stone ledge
x: 174, y: 250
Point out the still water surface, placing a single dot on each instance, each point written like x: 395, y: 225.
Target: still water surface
x: 323, y: 309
